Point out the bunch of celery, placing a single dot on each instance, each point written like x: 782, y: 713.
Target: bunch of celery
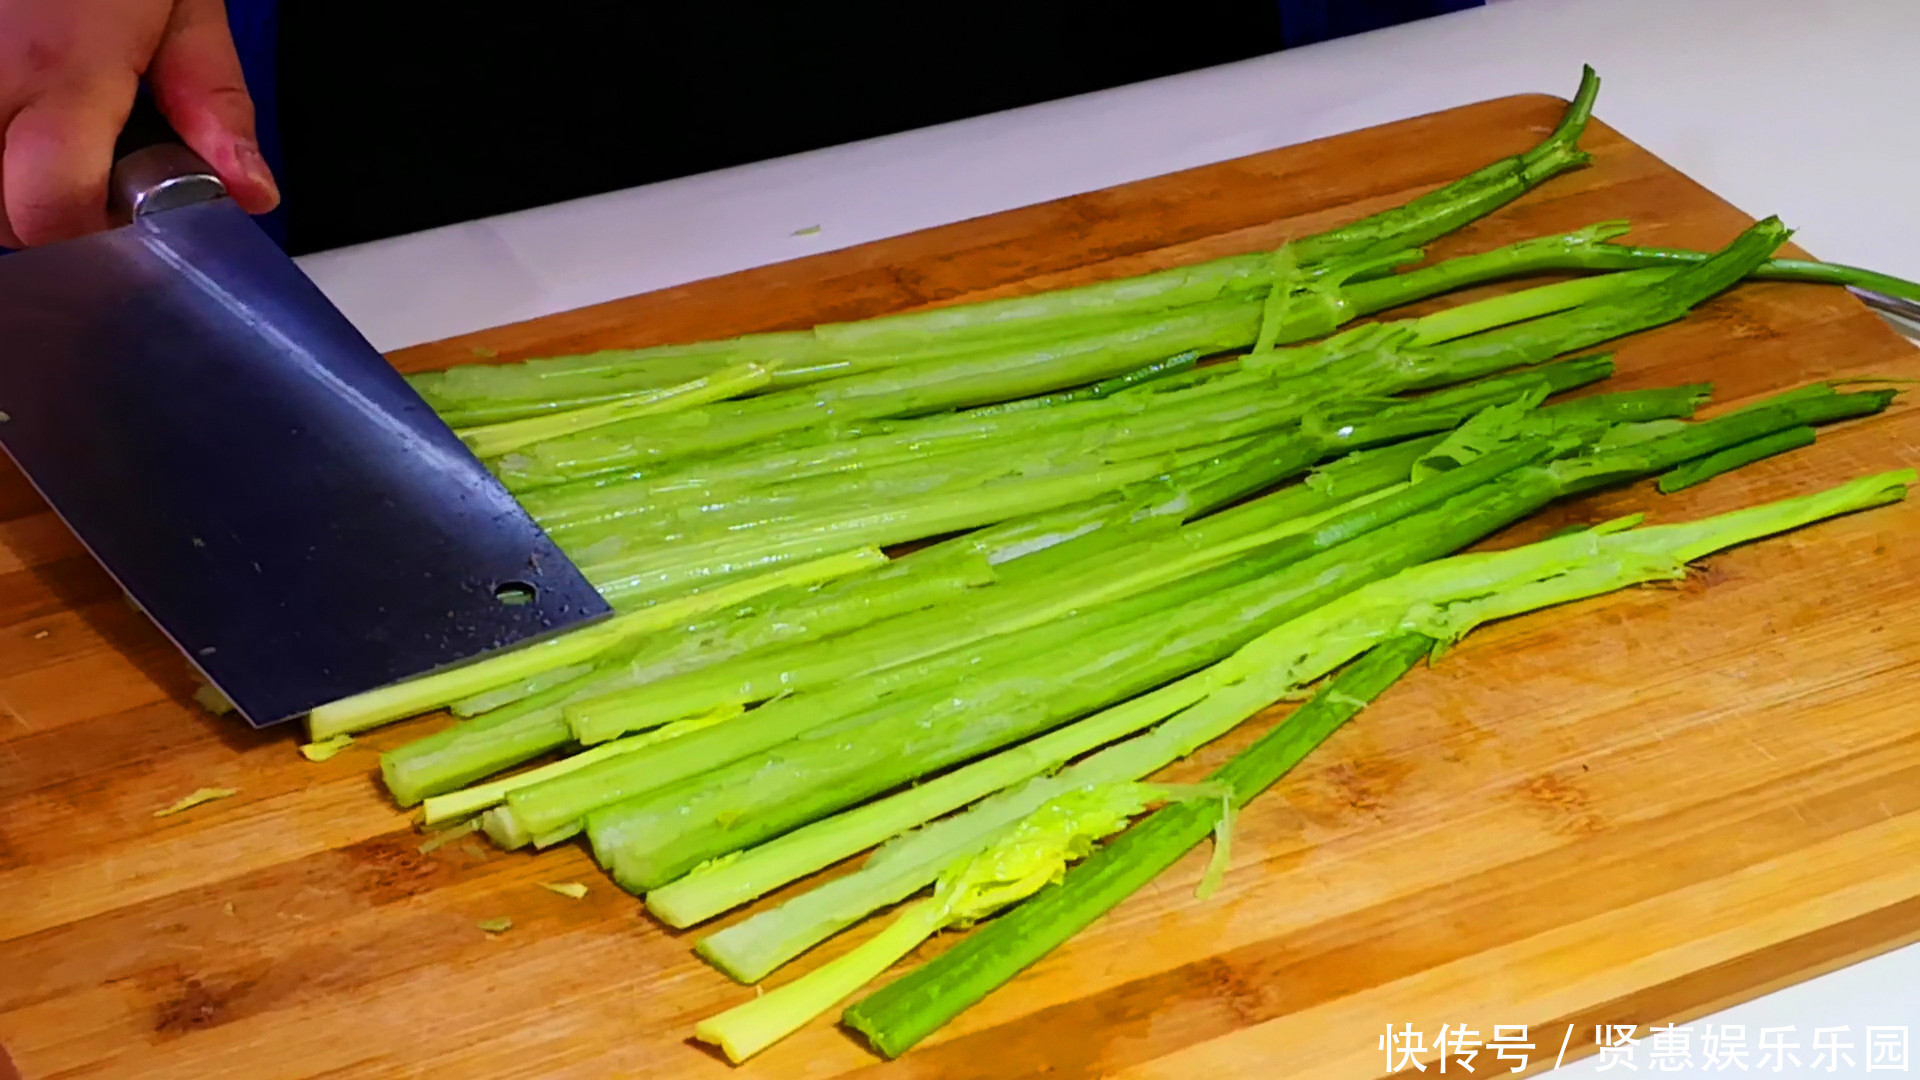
x: 821, y: 753
x: 750, y: 949
x: 985, y: 858
x: 1501, y: 348
x: 1074, y: 451
x: 1285, y: 387
x: 1412, y: 613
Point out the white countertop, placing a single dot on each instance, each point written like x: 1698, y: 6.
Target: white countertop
x: 1782, y: 106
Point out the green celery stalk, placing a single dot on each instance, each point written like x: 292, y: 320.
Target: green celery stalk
x: 466, y: 753
x: 504, y: 695
x: 424, y: 694
x: 1585, y: 250
x: 1700, y: 470
x: 1425, y: 218
x: 921, y: 580
x: 1001, y: 611
x: 1173, y: 425
x: 999, y: 372
x: 1590, y: 324
x: 437, y: 809
x: 493, y: 440
x: 474, y: 394
x: 600, y: 504
x: 1140, y: 376
x: 1630, y: 257
x: 751, y: 949
x: 1384, y: 369
x: 1441, y: 211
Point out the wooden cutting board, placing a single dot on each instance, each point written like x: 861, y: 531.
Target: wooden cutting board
x: 1632, y: 810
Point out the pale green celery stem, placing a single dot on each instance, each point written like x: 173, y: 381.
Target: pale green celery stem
x: 504, y: 829
x: 956, y: 473
x: 834, y: 448
x: 471, y: 394
x: 1075, y: 451
x: 1030, y: 545
x: 747, y: 1029
x: 1146, y: 294
x: 750, y: 950
x: 502, y: 696
x: 459, y: 804
x: 493, y: 440
x: 416, y: 696
x: 507, y: 833
x: 1733, y: 457
x: 604, y: 504
x: 1524, y: 304
x: 471, y: 751
x: 557, y: 836
x: 927, y: 578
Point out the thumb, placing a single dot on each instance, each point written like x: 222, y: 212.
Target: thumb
x: 196, y: 81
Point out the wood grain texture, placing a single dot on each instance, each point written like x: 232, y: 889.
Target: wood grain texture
x: 1634, y: 809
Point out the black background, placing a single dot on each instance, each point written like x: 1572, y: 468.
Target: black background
x: 443, y: 113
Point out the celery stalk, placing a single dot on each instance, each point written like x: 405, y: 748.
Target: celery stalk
x: 437, y: 809
x: 493, y: 440
x: 430, y: 692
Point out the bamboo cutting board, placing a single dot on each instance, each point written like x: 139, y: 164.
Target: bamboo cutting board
x: 1635, y: 809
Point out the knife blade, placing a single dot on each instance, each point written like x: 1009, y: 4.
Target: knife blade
x: 252, y: 472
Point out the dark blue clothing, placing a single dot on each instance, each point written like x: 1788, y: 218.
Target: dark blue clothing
x: 256, y: 34
x: 450, y: 121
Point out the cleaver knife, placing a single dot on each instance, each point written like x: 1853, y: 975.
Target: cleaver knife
x: 247, y: 466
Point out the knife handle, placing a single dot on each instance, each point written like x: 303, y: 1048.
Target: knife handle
x: 153, y: 170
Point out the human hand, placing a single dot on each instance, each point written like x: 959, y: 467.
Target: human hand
x: 68, y: 73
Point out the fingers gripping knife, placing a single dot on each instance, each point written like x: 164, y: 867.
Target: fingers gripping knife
x: 253, y: 473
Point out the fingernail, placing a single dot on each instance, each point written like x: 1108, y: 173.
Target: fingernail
x: 247, y: 155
